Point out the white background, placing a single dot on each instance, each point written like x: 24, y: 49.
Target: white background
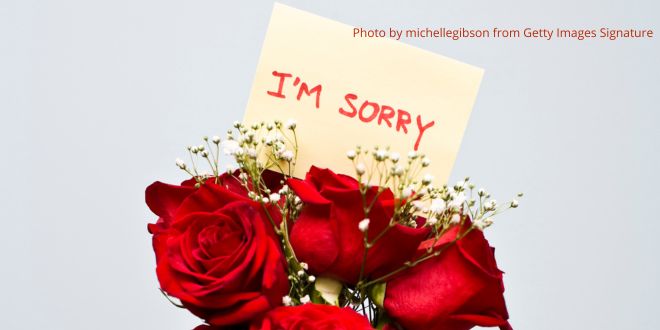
x: 97, y: 98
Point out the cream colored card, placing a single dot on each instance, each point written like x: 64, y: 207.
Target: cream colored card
x: 345, y: 91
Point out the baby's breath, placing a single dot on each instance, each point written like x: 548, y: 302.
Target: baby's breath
x: 419, y: 201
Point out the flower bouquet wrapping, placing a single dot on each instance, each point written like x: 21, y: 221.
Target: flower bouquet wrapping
x: 251, y: 247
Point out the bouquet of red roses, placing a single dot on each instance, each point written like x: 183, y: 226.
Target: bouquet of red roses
x: 255, y: 248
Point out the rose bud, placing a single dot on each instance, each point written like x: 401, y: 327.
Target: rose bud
x: 457, y: 290
x: 328, y: 236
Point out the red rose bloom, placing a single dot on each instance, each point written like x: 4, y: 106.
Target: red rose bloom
x: 460, y: 288
x: 326, y: 234
x: 312, y: 317
x: 216, y: 251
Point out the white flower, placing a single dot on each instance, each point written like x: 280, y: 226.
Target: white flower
x: 231, y: 147
x: 438, y: 205
x: 380, y: 155
x: 418, y: 205
x: 398, y: 170
x: 287, y: 155
x: 394, y: 156
x: 215, y: 139
x: 514, y: 204
x: 455, y: 219
x: 252, y: 153
x: 279, y: 147
x: 265, y: 200
x: 351, y: 154
x: 304, y: 265
x: 268, y: 141
x: 279, y: 137
x: 407, y: 192
x: 427, y: 179
x: 360, y: 168
x: 311, y: 278
x: 426, y: 162
x: 305, y: 299
x: 291, y: 124
x: 460, y: 184
x: 482, y: 224
x: 284, y: 190
x: 364, y: 225
x: 274, y: 197
x: 231, y: 168
x: 180, y: 163
x: 412, y: 155
x: 457, y: 199
x: 287, y: 301
x: 432, y: 221
x: 301, y: 273
x: 481, y: 192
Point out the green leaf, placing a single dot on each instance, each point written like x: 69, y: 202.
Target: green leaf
x: 377, y: 293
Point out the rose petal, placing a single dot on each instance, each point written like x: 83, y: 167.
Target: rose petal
x: 312, y: 317
x: 325, y: 178
x: 307, y: 192
x: 313, y: 240
x: 163, y: 199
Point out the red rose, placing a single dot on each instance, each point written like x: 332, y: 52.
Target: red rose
x: 326, y: 234
x: 216, y: 251
x: 460, y: 288
x: 312, y: 317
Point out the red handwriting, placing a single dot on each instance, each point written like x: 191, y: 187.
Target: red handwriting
x: 304, y: 88
x: 367, y: 111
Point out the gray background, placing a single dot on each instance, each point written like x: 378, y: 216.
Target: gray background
x: 97, y: 98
